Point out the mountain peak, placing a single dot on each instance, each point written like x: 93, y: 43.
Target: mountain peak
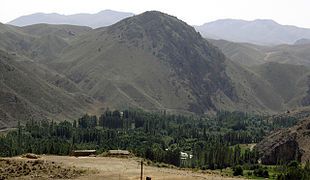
x: 154, y: 23
x: 180, y: 47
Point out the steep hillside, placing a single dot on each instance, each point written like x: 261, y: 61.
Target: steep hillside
x: 155, y: 61
x: 66, y: 32
x: 24, y: 94
x: 289, y: 81
x: 250, y: 55
x: 39, y: 42
x: 289, y: 54
x: 287, y: 144
x: 242, y: 53
x: 286, y: 77
x: 100, y: 19
x: 14, y: 40
x: 50, y: 40
x: 152, y: 61
x: 260, y: 31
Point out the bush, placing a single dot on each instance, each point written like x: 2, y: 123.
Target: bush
x: 261, y: 172
x: 295, y: 171
x: 238, y: 171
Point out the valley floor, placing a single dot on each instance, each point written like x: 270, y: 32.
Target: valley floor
x: 127, y: 169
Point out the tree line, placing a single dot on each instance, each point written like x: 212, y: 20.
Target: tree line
x: 213, y: 141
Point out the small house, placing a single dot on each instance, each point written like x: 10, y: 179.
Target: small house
x: 119, y: 153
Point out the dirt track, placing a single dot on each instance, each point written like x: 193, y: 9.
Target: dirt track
x: 127, y: 169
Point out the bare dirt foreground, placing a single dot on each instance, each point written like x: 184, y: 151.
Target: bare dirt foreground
x: 127, y: 169
x: 84, y: 168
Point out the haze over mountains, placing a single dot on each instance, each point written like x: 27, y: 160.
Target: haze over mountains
x: 151, y: 61
x: 100, y: 19
x: 260, y: 31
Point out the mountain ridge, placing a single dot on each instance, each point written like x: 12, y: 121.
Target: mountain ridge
x: 259, y: 31
x: 152, y: 61
x: 100, y: 19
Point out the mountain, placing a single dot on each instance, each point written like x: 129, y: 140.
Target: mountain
x: 261, y: 32
x: 285, y: 68
x: 148, y: 61
x: 100, y: 19
x: 288, y: 81
x: 152, y: 61
x: 251, y: 55
x: 24, y: 95
x: 286, y: 145
x: 29, y: 90
x: 155, y: 61
x: 302, y: 41
x: 243, y: 53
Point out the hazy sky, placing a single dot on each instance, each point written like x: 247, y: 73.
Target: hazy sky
x: 194, y: 12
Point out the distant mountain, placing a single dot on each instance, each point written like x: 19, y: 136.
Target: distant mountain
x: 302, y: 41
x: 101, y: 19
x: 262, y: 32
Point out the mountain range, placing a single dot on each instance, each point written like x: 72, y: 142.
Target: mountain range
x: 152, y: 61
x: 100, y: 19
x: 260, y: 31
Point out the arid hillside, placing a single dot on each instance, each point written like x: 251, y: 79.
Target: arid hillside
x: 287, y: 144
x: 152, y: 61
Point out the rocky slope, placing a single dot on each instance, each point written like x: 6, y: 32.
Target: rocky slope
x: 155, y: 61
x: 287, y: 144
x: 151, y: 61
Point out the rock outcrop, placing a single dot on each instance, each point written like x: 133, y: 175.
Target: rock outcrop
x: 287, y: 144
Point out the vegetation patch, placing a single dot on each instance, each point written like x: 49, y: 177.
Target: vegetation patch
x: 38, y: 169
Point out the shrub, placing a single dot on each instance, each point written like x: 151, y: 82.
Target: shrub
x: 238, y: 171
x: 261, y: 172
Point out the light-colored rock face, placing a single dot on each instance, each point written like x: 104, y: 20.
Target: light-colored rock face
x: 287, y: 144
